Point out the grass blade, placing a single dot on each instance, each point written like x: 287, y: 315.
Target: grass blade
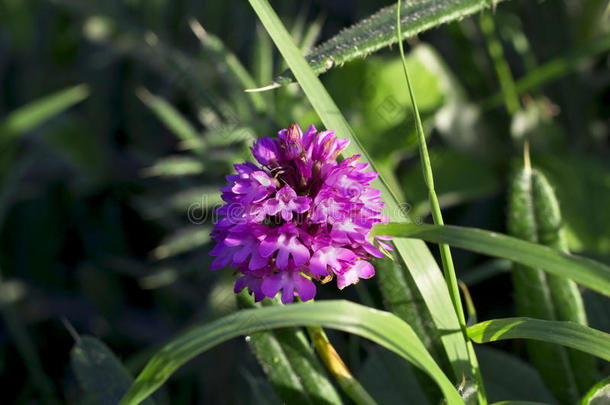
x: 587, y: 272
x: 100, y: 374
x: 217, y: 49
x: 567, y: 334
x: 173, y: 120
x: 379, y: 30
x: 597, y: 394
x: 505, y: 77
x: 35, y: 113
x: 418, y: 259
x: 518, y: 403
x: 381, y: 327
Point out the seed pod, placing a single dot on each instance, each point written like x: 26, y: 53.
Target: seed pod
x: 290, y: 364
x: 534, y: 216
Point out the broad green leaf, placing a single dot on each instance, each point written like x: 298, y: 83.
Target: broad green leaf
x: 35, y: 113
x: 534, y: 215
x: 567, y: 334
x: 507, y: 376
x: 584, y: 271
x: 370, y: 86
x: 173, y: 120
x: 423, y: 268
x: 290, y: 363
x: 367, y: 91
x: 379, y: 30
x: 381, y: 327
x: 599, y: 394
x: 100, y: 374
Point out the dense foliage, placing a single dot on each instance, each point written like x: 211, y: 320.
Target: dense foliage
x: 119, y: 121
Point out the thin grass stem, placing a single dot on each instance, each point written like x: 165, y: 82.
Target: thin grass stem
x: 505, y: 77
x: 447, y: 261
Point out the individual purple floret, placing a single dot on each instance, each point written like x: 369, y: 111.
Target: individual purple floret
x: 299, y: 216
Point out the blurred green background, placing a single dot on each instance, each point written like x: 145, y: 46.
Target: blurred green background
x: 120, y: 119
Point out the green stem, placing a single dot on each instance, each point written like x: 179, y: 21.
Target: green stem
x: 429, y: 179
x: 505, y: 77
x: 447, y: 261
x: 554, y: 69
x: 337, y: 367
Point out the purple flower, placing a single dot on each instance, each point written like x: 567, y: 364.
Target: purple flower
x: 285, y: 202
x: 266, y: 151
x: 298, y: 217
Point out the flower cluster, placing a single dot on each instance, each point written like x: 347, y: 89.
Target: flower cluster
x: 299, y: 216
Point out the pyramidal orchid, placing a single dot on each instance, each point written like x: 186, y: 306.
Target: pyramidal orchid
x: 298, y: 216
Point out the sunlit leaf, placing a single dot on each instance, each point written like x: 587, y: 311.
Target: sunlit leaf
x: 567, y: 334
x: 584, y: 271
x: 381, y: 327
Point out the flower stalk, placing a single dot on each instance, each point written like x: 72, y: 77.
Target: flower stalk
x: 337, y: 367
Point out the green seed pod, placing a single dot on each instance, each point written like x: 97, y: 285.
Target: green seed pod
x: 566, y: 297
x: 534, y: 215
x: 290, y: 363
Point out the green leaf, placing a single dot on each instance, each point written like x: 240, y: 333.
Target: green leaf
x: 423, y: 268
x: 290, y: 364
x: 37, y: 112
x: 518, y: 403
x: 599, y: 394
x: 100, y: 374
x: 379, y: 30
x: 175, y: 166
x: 567, y: 334
x: 368, y: 90
x: 584, y: 271
x: 173, y: 120
x: 534, y: 215
x: 183, y: 240
x: 381, y: 327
